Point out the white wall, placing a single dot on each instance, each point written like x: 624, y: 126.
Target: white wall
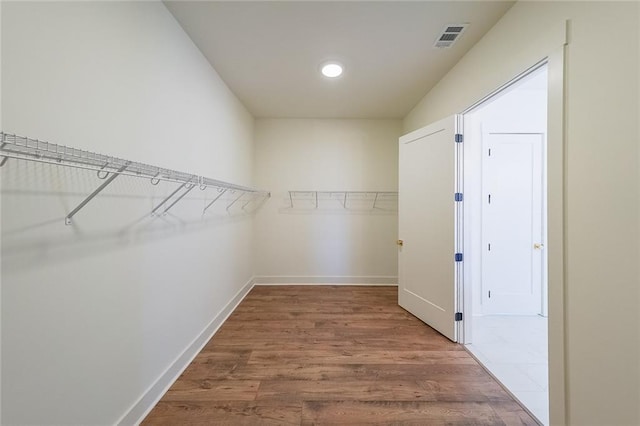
x: 522, y: 108
x: 602, y: 346
x: 0, y: 217
x: 330, y: 245
x: 95, y: 313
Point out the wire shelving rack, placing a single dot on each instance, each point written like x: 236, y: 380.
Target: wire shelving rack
x: 108, y: 168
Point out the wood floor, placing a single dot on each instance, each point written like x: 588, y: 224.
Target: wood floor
x: 332, y: 355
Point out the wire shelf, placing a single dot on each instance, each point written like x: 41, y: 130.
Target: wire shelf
x: 350, y: 200
x: 108, y: 168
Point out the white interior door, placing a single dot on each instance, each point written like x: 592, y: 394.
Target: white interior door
x: 427, y: 231
x: 512, y: 223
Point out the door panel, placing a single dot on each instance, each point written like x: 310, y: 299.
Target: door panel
x: 426, y: 214
x: 512, y: 224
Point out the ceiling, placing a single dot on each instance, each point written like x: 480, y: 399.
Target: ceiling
x: 269, y: 53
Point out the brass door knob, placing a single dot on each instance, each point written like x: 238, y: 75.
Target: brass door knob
x: 400, y: 243
x: 538, y: 246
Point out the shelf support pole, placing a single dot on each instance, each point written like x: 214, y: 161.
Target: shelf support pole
x: 67, y: 220
x: 179, y: 198
x: 214, y: 200
x: 234, y: 201
x: 169, y: 197
x: 4, y: 157
x: 248, y: 201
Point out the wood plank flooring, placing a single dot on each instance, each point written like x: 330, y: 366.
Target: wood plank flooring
x: 304, y: 355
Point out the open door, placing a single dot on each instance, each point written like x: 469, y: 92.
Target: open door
x: 427, y: 213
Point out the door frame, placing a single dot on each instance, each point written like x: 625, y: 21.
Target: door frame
x: 467, y: 288
x: 556, y: 233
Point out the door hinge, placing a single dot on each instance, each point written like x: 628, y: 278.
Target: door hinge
x: 459, y: 137
x: 458, y: 316
x: 458, y: 257
x: 458, y: 196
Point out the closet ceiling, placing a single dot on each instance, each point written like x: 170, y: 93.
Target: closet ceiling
x: 269, y: 53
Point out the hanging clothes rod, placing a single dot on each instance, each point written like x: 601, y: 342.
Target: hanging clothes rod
x: 106, y: 167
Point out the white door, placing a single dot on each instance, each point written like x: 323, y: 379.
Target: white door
x: 426, y: 227
x: 512, y: 223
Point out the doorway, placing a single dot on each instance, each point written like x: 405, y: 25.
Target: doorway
x: 505, y: 175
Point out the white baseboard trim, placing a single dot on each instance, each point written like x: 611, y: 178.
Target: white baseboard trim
x: 327, y: 280
x: 154, y: 393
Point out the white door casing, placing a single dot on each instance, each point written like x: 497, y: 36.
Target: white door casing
x: 512, y: 223
x: 427, y: 225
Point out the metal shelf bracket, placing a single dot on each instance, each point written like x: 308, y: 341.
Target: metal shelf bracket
x: 184, y: 184
x: 221, y: 193
x: 4, y: 158
x: 107, y: 182
x: 235, y: 201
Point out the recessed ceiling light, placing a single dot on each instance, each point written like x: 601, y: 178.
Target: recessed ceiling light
x: 331, y: 69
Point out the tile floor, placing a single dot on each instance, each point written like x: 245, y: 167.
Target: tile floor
x: 514, y: 349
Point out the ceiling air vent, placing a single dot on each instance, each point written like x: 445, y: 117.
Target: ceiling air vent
x: 450, y: 35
